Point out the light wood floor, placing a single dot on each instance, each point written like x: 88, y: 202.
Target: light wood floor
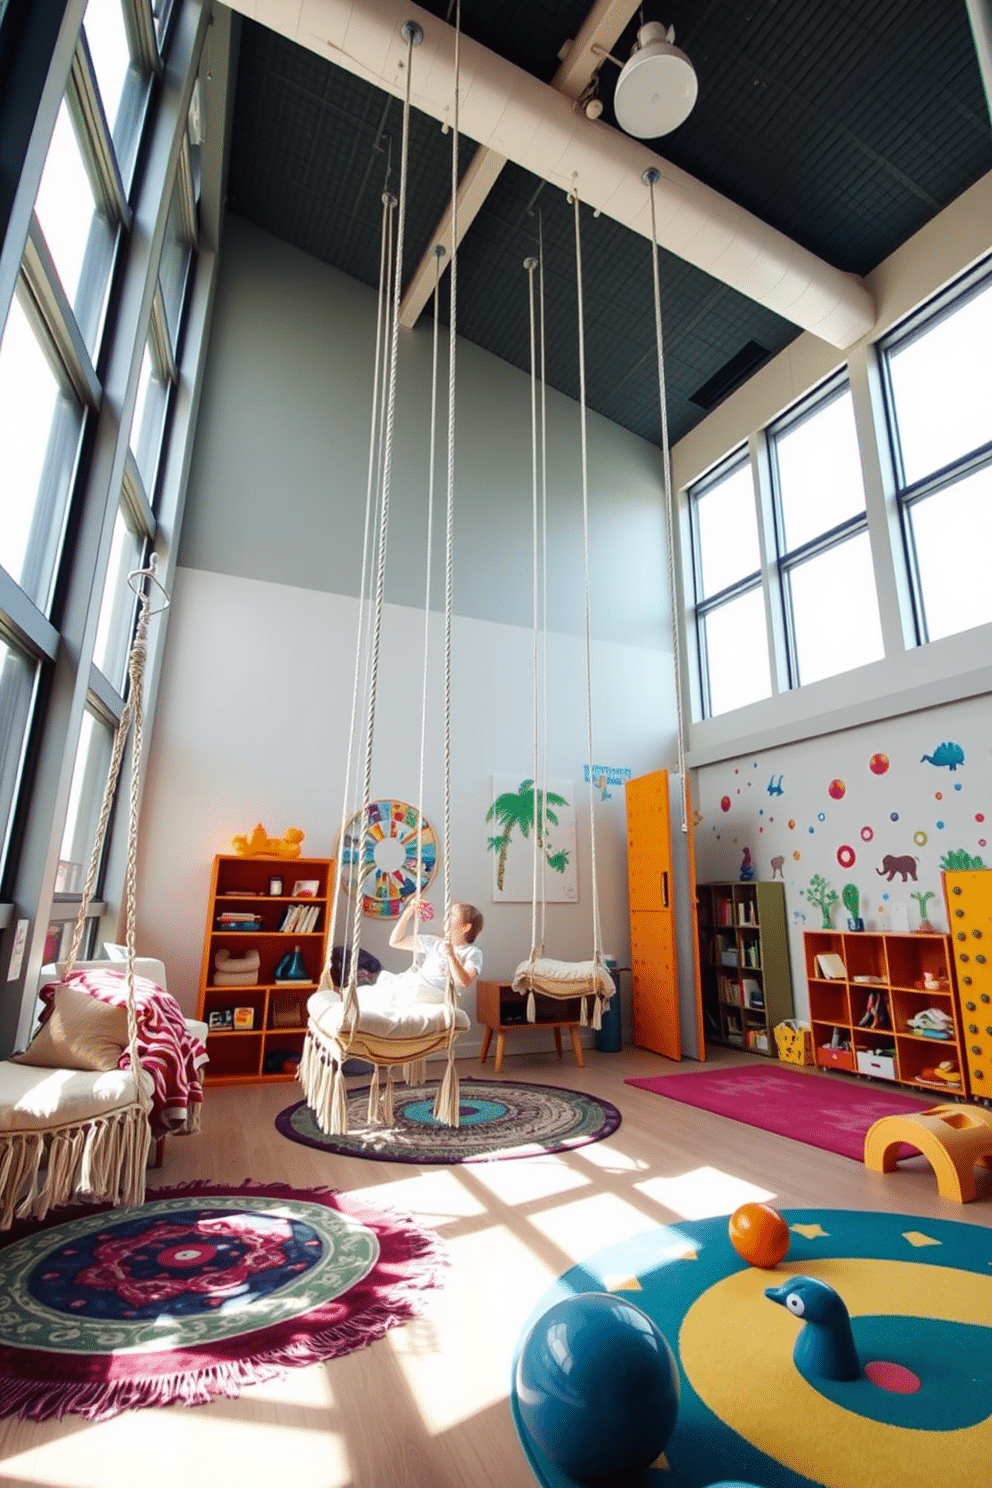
x: 426, y: 1406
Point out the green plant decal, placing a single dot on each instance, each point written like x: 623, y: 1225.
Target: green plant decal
x: 851, y: 896
x: 922, y: 900
x: 958, y: 860
x: 823, y: 896
x: 522, y: 809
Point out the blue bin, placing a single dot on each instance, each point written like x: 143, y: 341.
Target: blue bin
x: 609, y: 1039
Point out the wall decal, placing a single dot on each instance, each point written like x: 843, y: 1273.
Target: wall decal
x: 948, y: 754
x: 905, y: 866
x: 512, y: 846
x: 774, y: 786
x: 878, y: 764
x: 959, y: 859
x: 822, y: 896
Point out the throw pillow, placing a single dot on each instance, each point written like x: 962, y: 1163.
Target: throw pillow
x: 80, y: 1033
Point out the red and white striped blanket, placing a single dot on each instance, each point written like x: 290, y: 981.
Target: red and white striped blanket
x: 168, y: 1051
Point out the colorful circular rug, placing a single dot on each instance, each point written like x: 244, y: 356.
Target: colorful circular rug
x: 497, y: 1119
x: 919, y: 1296
x: 199, y: 1292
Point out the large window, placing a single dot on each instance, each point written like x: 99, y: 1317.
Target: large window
x: 940, y: 424
x: 730, y: 610
x: 77, y: 468
x: 824, y: 553
x: 817, y: 577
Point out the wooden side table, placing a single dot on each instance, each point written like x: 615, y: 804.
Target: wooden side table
x: 500, y: 1010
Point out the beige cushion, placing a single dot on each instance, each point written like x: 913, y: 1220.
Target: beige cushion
x: 382, y: 1021
x: 563, y: 978
x: 32, y: 1099
x: 82, y: 1033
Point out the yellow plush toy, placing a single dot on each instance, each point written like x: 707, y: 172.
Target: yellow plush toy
x: 258, y: 844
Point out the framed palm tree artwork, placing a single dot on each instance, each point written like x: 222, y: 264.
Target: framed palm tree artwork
x: 525, y: 819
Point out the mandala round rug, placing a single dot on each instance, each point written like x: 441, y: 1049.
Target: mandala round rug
x: 497, y: 1119
x: 197, y: 1293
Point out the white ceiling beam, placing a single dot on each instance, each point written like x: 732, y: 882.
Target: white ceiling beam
x: 604, y: 23
x: 513, y: 113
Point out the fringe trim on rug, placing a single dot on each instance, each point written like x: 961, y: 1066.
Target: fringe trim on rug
x: 408, y: 1296
x: 99, y: 1160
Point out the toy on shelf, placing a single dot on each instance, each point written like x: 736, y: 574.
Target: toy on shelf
x: 258, y: 843
x: 925, y: 926
x: 747, y: 866
x: 822, y: 897
x: 851, y: 896
x: 876, y: 1013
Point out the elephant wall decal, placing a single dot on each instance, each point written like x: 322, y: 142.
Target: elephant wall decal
x: 906, y: 866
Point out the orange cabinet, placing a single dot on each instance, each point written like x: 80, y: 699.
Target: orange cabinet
x: 653, y: 962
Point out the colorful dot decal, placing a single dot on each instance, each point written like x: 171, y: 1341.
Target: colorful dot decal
x: 893, y: 816
x: 725, y: 803
x: 878, y: 764
x: 846, y: 856
x: 837, y: 789
x: 820, y: 816
x: 920, y: 838
x: 796, y: 856
x: 940, y: 826
x: 792, y: 825
x: 866, y: 834
x: 938, y: 795
x: 979, y: 816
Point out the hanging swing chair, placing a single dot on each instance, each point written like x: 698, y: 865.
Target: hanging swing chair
x: 540, y: 974
x: 82, y: 1132
x: 340, y: 1028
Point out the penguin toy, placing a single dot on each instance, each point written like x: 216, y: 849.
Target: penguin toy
x: 825, y: 1346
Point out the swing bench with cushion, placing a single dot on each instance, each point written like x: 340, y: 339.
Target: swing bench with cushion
x: 80, y: 1106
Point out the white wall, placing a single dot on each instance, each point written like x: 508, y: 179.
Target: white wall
x: 256, y: 688
x: 847, y: 801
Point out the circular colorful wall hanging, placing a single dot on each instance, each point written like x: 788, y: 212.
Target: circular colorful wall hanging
x: 388, y: 872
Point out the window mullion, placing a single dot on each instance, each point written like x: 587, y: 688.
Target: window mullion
x: 93, y: 133
x: 51, y: 312
x: 768, y: 529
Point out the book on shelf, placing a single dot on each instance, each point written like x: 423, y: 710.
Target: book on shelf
x: 729, y: 991
x: 753, y: 994
x: 745, y: 913
x: 300, y: 918
x: 831, y: 966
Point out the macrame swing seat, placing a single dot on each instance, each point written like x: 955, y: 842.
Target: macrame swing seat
x: 78, y: 1134
x: 396, y: 1041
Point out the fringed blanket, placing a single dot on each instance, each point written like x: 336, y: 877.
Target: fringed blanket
x: 168, y: 1051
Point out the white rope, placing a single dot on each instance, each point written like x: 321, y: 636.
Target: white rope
x: 597, y: 936
x: 438, y: 255
x: 650, y: 177
x: 446, y: 1102
x: 544, y: 576
x: 530, y: 264
x: 354, y: 898
x: 351, y: 993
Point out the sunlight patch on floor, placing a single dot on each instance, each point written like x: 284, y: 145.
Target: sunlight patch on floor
x: 601, y: 1219
x: 520, y: 1181
x: 601, y: 1155
x: 703, y: 1193
x: 452, y: 1371
x: 437, y: 1197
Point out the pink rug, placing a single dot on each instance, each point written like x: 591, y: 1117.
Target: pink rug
x: 817, y: 1109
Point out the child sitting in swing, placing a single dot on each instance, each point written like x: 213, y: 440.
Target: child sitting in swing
x: 434, y: 957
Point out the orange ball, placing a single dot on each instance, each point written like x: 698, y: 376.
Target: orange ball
x: 759, y: 1235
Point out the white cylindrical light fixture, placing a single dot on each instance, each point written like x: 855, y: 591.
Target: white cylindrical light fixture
x: 657, y: 87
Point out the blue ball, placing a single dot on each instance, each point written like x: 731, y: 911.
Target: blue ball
x: 597, y: 1386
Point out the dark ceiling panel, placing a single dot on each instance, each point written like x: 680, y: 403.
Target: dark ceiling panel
x: 847, y: 126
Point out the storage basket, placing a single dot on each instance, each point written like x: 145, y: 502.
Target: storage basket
x: 795, y: 1045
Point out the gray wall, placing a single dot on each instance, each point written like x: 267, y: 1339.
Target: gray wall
x: 279, y: 475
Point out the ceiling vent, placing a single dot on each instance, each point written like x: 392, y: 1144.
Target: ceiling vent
x: 730, y: 376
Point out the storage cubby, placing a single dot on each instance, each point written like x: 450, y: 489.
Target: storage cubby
x: 744, y: 963
x: 870, y: 987
x: 256, y: 1026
